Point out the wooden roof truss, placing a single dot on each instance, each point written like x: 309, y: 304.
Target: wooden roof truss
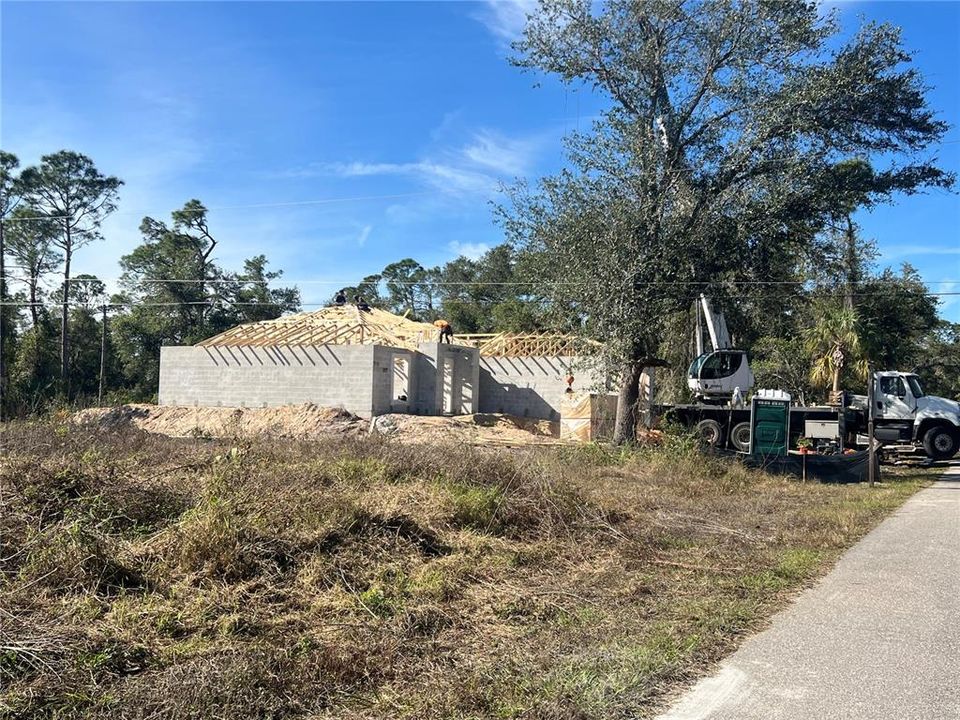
x: 530, y: 344
x: 345, y: 325
x: 348, y: 325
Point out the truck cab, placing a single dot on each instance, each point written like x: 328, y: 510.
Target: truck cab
x: 904, y: 413
x: 715, y: 376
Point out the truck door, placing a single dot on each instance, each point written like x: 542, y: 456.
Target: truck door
x: 894, y: 401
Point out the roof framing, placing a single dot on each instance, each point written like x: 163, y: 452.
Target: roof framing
x: 531, y: 344
x: 346, y: 325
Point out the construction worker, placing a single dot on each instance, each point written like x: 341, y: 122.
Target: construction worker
x: 341, y: 299
x: 361, y: 303
x: 446, y: 330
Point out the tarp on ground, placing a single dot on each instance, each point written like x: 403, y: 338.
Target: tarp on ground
x: 849, y: 468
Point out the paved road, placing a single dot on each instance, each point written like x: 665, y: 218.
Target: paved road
x: 878, y: 638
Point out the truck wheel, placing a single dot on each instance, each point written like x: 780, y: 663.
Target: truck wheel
x: 740, y: 436
x: 710, y: 433
x: 940, y: 443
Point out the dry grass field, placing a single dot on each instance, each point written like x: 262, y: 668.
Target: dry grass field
x: 150, y: 577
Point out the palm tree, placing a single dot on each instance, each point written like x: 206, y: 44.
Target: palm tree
x: 834, y: 342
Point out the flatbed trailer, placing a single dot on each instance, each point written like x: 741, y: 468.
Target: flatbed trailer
x: 729, y: 427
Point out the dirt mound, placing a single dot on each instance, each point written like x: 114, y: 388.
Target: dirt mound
x: 296, y: 421
x: 480, y: 429
x: 306, y: 421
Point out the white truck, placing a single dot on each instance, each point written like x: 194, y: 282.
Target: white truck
x: 905, y: 419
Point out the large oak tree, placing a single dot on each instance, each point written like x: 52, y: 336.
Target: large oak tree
x: 725, y: 123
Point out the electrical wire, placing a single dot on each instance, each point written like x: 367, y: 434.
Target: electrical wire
x: 227, y: 303
x: 458, y: 283
x: 250, y: 206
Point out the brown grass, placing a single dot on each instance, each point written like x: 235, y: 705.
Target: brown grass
x: 148, y: 577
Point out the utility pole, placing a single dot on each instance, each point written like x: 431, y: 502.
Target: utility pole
x: 851, y: 261
x: 872, y: 450
x: 103, y: 353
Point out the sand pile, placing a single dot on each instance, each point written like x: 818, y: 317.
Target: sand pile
x: 293, y: 421
x: 480, y: 429
x: 305, y: 421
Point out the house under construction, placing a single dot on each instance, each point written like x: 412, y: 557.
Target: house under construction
x: 374, y: 362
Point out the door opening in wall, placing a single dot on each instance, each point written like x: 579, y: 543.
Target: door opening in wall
x: 400, y: 385
x: 466, y: 390
x: 447, y: 406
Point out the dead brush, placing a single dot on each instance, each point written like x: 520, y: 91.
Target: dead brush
x: 76, y: 558
x: 365, y: 578
x: 256, y: 681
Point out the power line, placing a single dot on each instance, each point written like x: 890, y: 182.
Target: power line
x: 461, y: 283
x: 227, y: 303
x: 249, y: 206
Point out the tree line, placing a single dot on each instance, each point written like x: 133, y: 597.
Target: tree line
x: 77, y: 342
x: 738, y: 143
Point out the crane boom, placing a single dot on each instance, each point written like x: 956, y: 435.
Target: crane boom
x: 716, y: 325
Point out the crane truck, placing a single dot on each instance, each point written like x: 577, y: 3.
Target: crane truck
x: 905, y: 418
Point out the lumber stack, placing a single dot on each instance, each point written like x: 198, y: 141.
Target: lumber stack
x: 587, y: 417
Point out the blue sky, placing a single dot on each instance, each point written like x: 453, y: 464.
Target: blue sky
x: 338, y: 137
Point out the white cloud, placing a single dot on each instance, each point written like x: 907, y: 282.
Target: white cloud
x: 502, y: 155
x: 446, y: 178
x: 896, y: 251
x: 474, y: 169
x: 364, y: 234
x: 505, y: 19
x: 473, y: 251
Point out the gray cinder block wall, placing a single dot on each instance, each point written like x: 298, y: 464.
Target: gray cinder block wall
x: 532, y: 386
x: 329, y: 375
x: 364, y: 379
x: 463, y: 383
x: 388, y: 381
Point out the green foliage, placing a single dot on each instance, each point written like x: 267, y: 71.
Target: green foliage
x: 694, y: 178
x: 896, y: 315
x: 68, y: 186
x: 834, y: 344
x: 35, y: 373
x: 196, y: 299
x: 475, y: 506
x: 783, y: 362
x: 410, y: 289
x: 940, y: 367
x: 487, y: 295
x: 30, y: 243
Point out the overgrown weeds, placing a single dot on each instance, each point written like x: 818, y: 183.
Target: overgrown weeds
x: 142, y: 576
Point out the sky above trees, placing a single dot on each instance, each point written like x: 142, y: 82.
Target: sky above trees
x: 338, y: 137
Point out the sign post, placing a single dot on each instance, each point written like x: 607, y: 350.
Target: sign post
x: 871, y: 443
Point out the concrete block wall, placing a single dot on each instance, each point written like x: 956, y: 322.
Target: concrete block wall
x: 532, y: 386
x: 386, y: 381
x: 424, y: 395
x: 465, y: 379
x: 328, y: 375
x: 360, y: 378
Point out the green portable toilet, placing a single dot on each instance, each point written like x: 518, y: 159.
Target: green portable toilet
x: 769, y: 423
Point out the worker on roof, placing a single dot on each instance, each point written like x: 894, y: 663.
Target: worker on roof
x: 446, y: 330
x: 361, y: 303
x: 341, y: 299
